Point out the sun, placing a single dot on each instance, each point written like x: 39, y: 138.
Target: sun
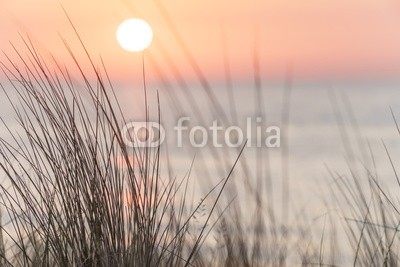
x: 134, y: 35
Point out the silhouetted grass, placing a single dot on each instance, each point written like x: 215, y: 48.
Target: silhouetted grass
x: 74, y: 194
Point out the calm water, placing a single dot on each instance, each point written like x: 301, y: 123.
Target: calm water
x: 327, y: 126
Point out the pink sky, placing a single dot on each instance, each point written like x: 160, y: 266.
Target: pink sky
x: 320, y: 39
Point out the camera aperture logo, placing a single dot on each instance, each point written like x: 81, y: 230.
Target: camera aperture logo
x: 138, y: 134
x: 152, y: 134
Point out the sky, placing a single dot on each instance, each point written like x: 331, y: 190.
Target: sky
x: 330, y: 39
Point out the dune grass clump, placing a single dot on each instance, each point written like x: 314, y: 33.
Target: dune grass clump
x: 369, y: 211
x: 74, y: 194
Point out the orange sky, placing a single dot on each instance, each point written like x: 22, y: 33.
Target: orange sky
x: 320, y: 39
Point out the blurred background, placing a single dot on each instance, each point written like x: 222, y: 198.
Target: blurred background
x: 325, y: 72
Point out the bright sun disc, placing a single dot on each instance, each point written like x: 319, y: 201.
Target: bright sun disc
x: 134, y: 35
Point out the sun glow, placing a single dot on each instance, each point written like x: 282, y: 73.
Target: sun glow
x: 134, y: 35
